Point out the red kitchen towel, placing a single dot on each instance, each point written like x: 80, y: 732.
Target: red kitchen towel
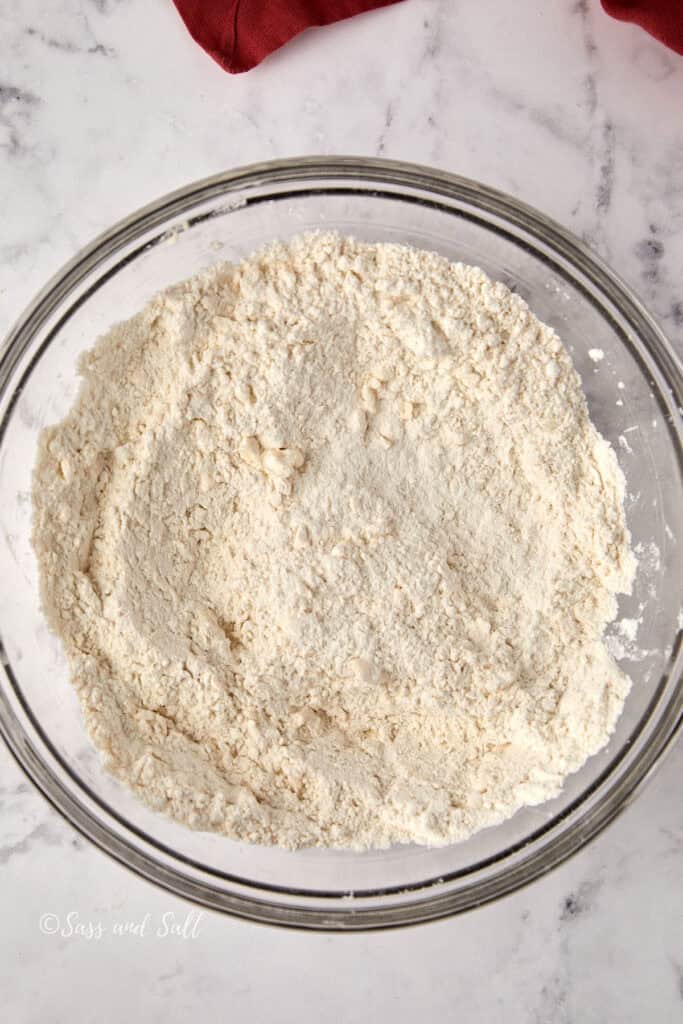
x: 661, y: 18
x: 240, y: 33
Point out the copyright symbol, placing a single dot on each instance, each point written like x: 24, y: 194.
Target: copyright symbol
x: 49, y: 924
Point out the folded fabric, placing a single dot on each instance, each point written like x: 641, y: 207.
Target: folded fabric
x: 238, y: 34
x: 661, y: 18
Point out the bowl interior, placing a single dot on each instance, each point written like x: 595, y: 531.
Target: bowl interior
x: 629, y: 403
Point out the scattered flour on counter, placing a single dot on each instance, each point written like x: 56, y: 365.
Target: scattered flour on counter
x: 596, y: 354
x: 649, y: 557
x: 622, y: 641
x: 629, y: 628
x: 331, y: 543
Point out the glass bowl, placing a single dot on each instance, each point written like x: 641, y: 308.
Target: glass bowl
x: 633, y: 383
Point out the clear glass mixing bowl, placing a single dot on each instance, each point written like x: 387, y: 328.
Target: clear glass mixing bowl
x: 634, y: 393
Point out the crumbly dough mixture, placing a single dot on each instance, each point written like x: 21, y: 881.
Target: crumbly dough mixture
x: 330, y: 541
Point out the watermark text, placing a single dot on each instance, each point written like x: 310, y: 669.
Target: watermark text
x: 169, y: 925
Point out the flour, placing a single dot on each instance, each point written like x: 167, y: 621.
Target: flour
x: 330, y: 542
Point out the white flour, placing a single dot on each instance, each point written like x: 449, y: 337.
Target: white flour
x: 331, y: 543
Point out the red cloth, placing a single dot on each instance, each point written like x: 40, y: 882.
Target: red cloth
x: 663, y: 19
x: 240, y: 33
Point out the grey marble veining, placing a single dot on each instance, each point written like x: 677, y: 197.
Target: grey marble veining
x: 106, y: 104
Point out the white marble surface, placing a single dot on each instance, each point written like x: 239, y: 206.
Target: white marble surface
x: 105, y: 104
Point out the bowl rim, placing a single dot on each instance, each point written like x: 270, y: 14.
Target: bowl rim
x: 343, y: 916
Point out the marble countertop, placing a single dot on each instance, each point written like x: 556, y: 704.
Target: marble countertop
x: 106, y: 104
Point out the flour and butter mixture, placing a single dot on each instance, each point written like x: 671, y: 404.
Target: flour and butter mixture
x: 331, y: 541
